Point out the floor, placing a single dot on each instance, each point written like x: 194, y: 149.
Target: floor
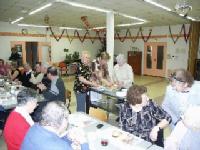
x: 156, y: 87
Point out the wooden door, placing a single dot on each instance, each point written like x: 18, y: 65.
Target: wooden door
x: 135, y: 61
x: 155, y: 59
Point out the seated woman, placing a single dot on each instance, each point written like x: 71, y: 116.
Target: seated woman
x: 100, y: 72
x: 142, y: 117
x: 14, y: 72
x: 19, y: 120
x: 3, y: 70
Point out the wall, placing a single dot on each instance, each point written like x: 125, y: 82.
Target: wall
x: 57, y: 47
x: 177, y: 54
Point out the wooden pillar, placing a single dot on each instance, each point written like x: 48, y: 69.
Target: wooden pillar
x: 193, y: 46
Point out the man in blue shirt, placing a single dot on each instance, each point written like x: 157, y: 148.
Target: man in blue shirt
x: 46, y: 135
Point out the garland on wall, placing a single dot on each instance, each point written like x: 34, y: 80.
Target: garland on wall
x: 99, y: 36
x: 183, y: 29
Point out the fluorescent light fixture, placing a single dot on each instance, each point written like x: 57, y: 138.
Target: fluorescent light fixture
x: 158, y: 5
x: 17, y: 20
x: 32, y: 25
x: 40, y: 9
x: 191, y: 18
x: 182, y: 15
x: 129, y: 24
x: 131, y: 17
x: 70, y: 28
x: 84, y: 6
x: 98, y: 28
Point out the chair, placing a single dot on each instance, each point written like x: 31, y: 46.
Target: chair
x: 68, y: 98
x: 98, y: 113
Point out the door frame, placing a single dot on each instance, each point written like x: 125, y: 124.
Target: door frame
x: 154, y: 71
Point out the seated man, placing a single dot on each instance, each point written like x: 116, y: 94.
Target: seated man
x: 19, y: 119
x: 36, y: 76
x: 123, y: 73
x: 26, y: 76
x: 47, y: 134
x: 56, y: 90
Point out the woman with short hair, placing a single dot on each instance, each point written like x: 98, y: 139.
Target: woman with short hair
x: 143, y: 117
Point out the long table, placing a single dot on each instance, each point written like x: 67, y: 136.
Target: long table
x: 95, y: 135
x: 109, y: 100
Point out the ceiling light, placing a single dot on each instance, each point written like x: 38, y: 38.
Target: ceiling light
x: 182, y: 7
x: 191, y: 18
x: 158, y: 5
x: 70, y: 28
x: 83, y: 6
x: 17, y: 20
x: 32, y: 25
x: 40, y: 9
x: 132, y: 17
x: 129, y: 24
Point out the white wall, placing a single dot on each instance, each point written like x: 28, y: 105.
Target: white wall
x: 57, y: 47
x: 178, y: 50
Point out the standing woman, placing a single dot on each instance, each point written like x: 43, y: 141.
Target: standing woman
x: 100, y: 72
x: 83, y: 81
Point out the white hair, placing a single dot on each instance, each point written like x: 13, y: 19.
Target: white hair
x: 120, y: 58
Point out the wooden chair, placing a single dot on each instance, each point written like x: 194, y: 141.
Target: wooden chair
x: 98, y: 113
x: 68, y: 98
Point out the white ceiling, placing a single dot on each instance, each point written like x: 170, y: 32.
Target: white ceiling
x: 61, y: 14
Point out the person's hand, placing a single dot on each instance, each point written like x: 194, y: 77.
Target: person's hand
x: 154, y: 133
x: 42, y: 87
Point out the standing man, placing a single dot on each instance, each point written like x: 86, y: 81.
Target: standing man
x: 123, y: 73
x: 83, y: 82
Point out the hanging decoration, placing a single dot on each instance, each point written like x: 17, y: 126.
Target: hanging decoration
x: 183, y: 29
x: 59, y: 37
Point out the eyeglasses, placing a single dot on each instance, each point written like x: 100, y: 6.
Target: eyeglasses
x: 179, y: 80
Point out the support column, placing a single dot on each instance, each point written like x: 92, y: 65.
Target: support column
x: 110, y: 40
x: 193, y: 46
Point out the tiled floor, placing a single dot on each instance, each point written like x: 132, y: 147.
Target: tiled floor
x: 156, y: 87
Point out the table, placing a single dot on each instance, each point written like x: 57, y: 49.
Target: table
x: 94, y: 135
x: 110, y: 101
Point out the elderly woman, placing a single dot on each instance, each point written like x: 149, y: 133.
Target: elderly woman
x: 19, y: 120
x: 83, y: 82
x: 100, y: 72
x: 123, y: 73
x: 184, y: 92
x: 142, y: 117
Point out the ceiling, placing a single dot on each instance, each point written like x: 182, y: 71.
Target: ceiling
x: 61, y: 14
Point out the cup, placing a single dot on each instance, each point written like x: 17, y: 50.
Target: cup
x: 104, y: 142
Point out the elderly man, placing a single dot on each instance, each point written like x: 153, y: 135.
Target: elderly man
x: 182, y: 93
x: 123, y: 73
x: 19, y: 120
x: 46, y: 134
x: 26, y: 76
x: 56, y: 90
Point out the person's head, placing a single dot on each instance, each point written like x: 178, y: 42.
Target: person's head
x: 120, y: 59
x: 137, y: 95
x: 38, y: 67
x: 52, y: 72
x: 27, y: 67
x: 44, y: 67
x: 104, y: 57
x: 55, y: 115
x: 85, y: 57
x: 191, y: 119
x: 183, y: 79
x: 1, y: 62
x: 27, y: 99
x: 14, y: 65
x: 13, y: 50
